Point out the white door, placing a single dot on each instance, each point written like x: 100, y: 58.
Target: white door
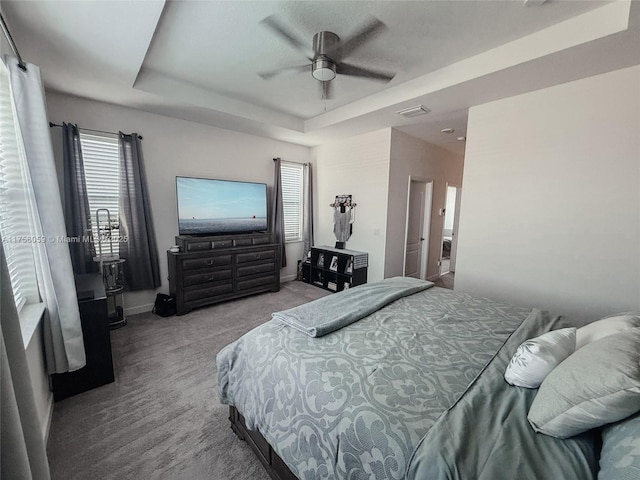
x: 417, y: 228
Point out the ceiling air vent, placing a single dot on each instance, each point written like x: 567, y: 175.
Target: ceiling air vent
x: 413, y: 111
x: 533, y: 3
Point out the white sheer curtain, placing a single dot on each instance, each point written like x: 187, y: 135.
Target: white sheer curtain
x: 23, y: 455
x: 64, y: 347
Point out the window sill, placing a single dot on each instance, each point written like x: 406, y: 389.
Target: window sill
x: 287, y: 242
x: 30, y: 317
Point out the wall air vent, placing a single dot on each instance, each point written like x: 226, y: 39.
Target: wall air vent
x: 413, y: 111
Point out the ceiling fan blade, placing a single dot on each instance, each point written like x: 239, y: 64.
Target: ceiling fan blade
x: 288, y: 36
x: 370, y: 29
x: 326, y: 90
x: 269, y: 74
x: 353, y: 70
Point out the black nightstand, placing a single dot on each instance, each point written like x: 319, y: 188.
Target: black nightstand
x: 94, y: 318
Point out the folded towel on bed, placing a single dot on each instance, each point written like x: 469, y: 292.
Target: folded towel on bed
x: 333, y: 312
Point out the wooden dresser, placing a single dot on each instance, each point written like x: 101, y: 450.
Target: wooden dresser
x: 214, y: 269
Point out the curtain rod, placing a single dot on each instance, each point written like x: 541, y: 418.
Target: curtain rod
x: 51, y: 124
x: 12, y: 44
x: 287, y: 161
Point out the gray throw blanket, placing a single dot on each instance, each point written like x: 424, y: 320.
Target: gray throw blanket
x: 333, y: 312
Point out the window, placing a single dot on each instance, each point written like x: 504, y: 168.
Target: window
x: 102, y: 175
x: 291, y: 176
x: 17, y: 237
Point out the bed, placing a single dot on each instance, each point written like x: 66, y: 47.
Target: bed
x: 414, y: 389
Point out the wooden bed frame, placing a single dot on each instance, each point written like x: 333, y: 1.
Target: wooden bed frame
x: 272, y: 463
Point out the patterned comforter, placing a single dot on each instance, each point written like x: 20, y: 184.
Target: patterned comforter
x: 356, y: 403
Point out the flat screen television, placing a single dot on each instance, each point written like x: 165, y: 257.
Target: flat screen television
x: 215, y: 207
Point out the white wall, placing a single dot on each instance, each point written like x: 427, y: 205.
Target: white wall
x: 411, y: 156
x: 550, y: 212
x: 358, y: 166
x: 177, y: 147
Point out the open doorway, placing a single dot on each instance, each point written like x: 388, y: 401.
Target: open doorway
x: 416, y: 252
x: 450, y: 232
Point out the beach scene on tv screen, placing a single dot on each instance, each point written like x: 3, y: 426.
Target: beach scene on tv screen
x: 217, y: 206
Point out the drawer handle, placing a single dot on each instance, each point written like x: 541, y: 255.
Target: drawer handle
x: 258, y: 256
x: 209, y: 262
x: 209, y: 278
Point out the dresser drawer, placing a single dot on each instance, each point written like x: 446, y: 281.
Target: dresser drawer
x: 206, y: 277
x: 208, y: 292
x: 255, y: 282
x: 253, y: 256
x: 261, y: 240
x: 193, y: 263
x: 222, y: 244
x: 198, y: 246
x: 242, y: 242
x: 254, y: 269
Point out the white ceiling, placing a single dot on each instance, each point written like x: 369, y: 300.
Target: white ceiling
x: 197, y: 60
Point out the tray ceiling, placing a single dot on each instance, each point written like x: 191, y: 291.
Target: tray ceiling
x: 198, y: 60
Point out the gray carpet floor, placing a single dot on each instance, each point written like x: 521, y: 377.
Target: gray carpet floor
x: 161, y: 418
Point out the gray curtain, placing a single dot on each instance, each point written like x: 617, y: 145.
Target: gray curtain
x: 76, y: 213
x: 307, y: 220
x: 64, y: 346
x: 22, y: 449
x: 138, y: 246
x: 277, y: 214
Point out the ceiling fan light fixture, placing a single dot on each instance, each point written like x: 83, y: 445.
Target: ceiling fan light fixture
x: 323, y: 69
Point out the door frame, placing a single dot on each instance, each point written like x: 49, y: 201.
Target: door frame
x: 426, y: 226
x: 454, y: 230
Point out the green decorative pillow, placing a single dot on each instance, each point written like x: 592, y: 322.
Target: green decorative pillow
x: 598, y: 384
x: 606, y: 326
x: 620, y: 454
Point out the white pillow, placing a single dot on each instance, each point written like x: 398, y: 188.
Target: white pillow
x: 535, y: 358
x: 605, y: 327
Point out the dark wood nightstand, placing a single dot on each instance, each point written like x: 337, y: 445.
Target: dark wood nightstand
x: 94, y: 318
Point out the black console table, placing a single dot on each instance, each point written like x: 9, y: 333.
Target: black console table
x: 94, y: 318
x: 214, y: 269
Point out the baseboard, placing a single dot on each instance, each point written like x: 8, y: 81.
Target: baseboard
x: 138, y: 309
x: 433, y: 277
x: 49, y: 419
x: 149, y: 307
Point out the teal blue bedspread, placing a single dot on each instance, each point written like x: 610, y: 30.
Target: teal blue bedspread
x: 328, y: 314
x: 357, y: 403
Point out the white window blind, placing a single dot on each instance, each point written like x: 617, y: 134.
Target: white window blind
x: 102, y: 175
x: 15, y: 230
x: 291, y: 175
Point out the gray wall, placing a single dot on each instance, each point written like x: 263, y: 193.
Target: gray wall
x: 550, y: 213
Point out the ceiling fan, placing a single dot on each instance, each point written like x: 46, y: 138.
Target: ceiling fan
x: 325, y: 58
